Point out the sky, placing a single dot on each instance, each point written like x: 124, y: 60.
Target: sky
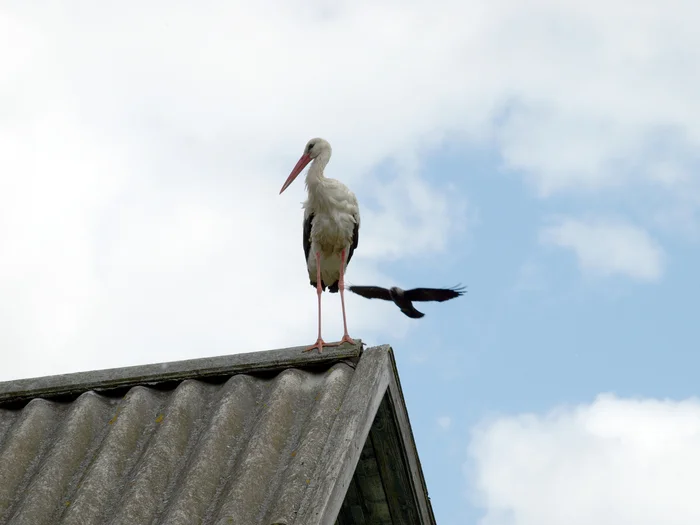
x: 542, y: 153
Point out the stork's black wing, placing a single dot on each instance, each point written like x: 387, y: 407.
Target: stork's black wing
x: 355, y: 241
x: 433, y: 294
x: 371, y: 292
x: 308, y: 222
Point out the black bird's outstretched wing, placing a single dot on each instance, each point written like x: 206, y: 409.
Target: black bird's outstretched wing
x: 371, y: 292
x: 433, y: 294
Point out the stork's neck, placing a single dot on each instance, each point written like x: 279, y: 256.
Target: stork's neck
x: 315, y: 176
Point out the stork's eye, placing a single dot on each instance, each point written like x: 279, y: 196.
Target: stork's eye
x: 310, y: 146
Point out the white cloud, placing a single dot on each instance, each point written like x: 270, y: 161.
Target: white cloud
x: 612, y: 462
x: 579, y: 89
x: 444, y: 422
x: 608, y: 246
x: 139, y: 211
x: 593, y: 91
x: 144, y: 146
x: 415, y: 219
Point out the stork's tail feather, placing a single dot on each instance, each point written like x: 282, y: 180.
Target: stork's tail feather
x: 333, y: 288
x: 313, y: 284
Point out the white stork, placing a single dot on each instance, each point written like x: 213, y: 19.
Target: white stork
x: 331, y: 229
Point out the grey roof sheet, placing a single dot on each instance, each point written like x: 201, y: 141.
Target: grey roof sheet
x: 269, y: 438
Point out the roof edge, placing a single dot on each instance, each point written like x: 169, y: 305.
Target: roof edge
x: 403, y: 424
x: 329, y: 484
x: 113, y: 378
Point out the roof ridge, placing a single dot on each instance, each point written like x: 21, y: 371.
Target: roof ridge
x: 152, y: 374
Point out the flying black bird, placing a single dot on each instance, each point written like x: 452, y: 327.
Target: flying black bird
x: 404, y: 298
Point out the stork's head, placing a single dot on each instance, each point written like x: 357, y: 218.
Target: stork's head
x: 314, y: 149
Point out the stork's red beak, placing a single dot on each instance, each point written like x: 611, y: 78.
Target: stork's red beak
x: 303, y: 161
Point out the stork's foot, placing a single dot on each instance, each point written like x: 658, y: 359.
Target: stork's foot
x: 346, y: 339
x: 320, y: 343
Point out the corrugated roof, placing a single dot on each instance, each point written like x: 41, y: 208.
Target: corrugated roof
x: 264, y: 438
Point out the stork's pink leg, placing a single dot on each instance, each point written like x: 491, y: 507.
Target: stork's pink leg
x: 319, y: 342
x: 341, y: 285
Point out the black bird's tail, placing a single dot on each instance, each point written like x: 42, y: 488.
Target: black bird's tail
x: 411, y: 312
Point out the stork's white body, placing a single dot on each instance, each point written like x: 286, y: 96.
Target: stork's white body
x: 331, y: 228
x: 336, y: 215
